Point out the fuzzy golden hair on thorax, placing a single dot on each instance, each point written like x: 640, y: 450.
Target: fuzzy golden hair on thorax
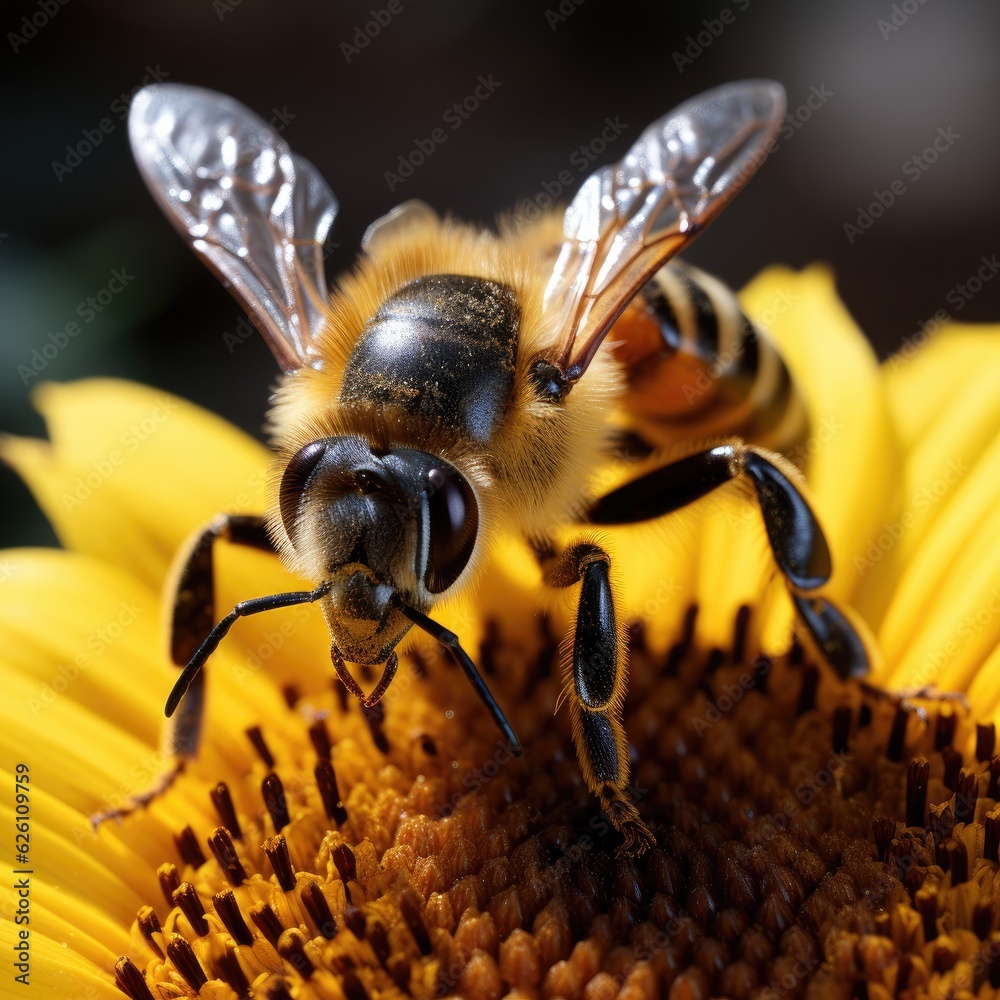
x: 539, y: 452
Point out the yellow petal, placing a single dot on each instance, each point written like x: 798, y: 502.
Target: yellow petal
x: 91, y: 696
x: 943, y: 456
x: 984, y: 691
x: 104, y: 530
x: 56, y: 971
x: 925, y: 377
x: 131, y: 471
x: 966, y: 517
x: 851, y: 453
x: 949, y: 646
x: 98, y: 870
x: 79, y: 629
x: 655, y: 567
x: 734, y: 563
x: 77, y: 924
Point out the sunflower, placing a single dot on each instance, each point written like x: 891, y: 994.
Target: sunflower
x: 815, y: 837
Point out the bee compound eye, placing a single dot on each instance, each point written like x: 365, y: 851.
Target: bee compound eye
x: 295, y: 481
x: 454, y: 522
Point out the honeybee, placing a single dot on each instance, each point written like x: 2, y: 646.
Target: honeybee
x: 455, y: 388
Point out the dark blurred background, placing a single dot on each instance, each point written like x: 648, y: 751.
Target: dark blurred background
x: 884, y: 79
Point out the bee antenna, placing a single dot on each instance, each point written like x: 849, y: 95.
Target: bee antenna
x: 450, y: 640
x: 212, y: 640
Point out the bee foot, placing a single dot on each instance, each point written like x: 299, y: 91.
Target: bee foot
x: 136, y: 803
x: 624, y: 816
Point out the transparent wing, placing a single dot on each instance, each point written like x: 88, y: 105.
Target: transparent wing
x: 257, y: 213
x: 629, y: 219
x: 405, y: 216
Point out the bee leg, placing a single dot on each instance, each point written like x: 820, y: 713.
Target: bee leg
x: 595, y: 688
x: 191, y: 621
x: 178, y: 744
x: 193, y: 615
x: 796, y: 538
x: 193, y: 618
x: 837, y: 639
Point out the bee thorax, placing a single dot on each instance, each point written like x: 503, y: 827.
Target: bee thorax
x: 443, y: 348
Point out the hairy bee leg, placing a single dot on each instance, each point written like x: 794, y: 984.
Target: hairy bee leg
x: 795, y: 536
x: 193, y: 615
x: 833, y: 633
x: 179, y: 743
x: 596, y: 684
x: 191, y: 621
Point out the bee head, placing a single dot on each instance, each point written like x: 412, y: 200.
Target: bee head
x: 383, y: 527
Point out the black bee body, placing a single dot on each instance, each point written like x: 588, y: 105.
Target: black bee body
x: 442, y: 349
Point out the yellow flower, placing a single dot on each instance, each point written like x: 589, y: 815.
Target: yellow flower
x: 812, y: 834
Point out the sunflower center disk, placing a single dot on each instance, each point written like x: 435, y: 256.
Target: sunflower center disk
x: 810, y: 831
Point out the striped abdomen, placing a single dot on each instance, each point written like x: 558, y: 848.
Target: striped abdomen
x: 698, y: 367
